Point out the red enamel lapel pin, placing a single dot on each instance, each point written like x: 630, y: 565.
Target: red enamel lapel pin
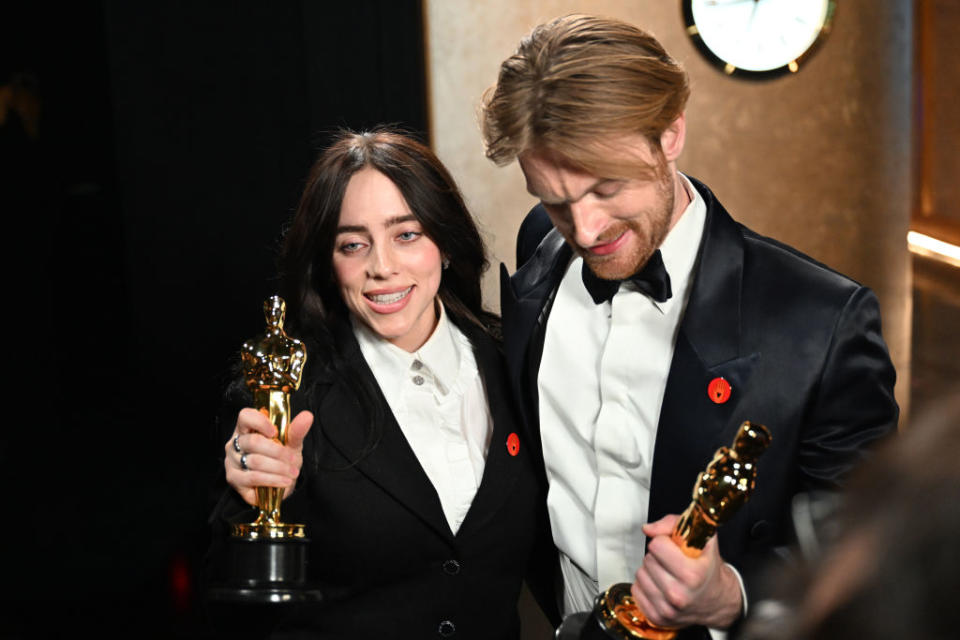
x: 513, y: 444
x: 719, y: 390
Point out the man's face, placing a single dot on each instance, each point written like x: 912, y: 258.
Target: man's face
x: 615, y: 224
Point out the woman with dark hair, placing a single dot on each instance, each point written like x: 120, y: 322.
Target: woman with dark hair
x: 420, y: 497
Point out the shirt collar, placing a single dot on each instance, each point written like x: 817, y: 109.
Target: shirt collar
x: 439, y: 356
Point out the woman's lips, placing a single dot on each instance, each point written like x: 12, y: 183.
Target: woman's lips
x: 388, y: 301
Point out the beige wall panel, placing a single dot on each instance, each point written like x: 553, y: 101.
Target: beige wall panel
x: 819, y: 160
x: 941, y: 127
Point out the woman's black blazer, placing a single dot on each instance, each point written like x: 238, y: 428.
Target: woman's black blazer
x: 381, y: 550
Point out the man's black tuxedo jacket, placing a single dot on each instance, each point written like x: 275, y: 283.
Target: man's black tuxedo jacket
x: 799, y: 344
x: 381, y: 548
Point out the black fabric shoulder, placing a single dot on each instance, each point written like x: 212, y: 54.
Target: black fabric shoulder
x: 535, y: 226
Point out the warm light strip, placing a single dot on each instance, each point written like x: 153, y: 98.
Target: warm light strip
x: 933, y: 248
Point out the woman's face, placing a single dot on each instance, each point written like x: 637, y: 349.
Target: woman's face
x: 387, y: 269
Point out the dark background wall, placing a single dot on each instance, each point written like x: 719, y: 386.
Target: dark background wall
x: 141, y: 220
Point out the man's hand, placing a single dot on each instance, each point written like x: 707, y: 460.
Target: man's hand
x: 674, y: 590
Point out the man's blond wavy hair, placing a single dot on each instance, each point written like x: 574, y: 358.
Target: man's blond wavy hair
x: 578, y: 84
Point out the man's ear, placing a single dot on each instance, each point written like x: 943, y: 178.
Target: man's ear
x: 672, y: 138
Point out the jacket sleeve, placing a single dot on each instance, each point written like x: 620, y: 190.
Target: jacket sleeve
x: 854, y: 406
x: 851, y: 410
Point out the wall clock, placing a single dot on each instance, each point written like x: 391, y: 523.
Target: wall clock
x: 758, y: 38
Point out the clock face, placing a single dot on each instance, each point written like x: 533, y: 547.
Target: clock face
x: 757, y: 38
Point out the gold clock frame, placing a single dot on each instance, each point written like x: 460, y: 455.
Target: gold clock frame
x: 730, y: 70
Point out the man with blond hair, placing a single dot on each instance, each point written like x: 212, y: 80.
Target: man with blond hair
x: 644, y: 324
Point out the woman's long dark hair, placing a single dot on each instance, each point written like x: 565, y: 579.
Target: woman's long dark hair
x: 307, y: 280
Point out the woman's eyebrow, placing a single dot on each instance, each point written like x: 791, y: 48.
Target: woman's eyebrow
x: 389, y: 222
x: 400, y: 220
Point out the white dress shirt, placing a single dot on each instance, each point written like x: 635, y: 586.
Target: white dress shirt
x: 601, y: 384
x: 437, y: 398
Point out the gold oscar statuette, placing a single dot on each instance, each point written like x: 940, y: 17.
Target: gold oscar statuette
x: 719, y: 492
x: 265, y: 562
x: 272, y: 366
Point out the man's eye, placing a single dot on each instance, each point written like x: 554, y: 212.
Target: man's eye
x: 607, y: 191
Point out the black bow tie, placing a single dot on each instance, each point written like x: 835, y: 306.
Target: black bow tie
x: 652, y: 280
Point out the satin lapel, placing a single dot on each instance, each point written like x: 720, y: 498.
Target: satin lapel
x: 525, y: 303
x: 392, y: 465
x: 519, y: 318
x: 708, y: 346
x: 501, y: 469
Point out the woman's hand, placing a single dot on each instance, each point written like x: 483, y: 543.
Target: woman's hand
x: 254, y: 459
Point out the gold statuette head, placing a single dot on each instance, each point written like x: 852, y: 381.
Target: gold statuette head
x: 273, y: 361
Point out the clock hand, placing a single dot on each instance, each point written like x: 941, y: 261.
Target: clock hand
x: 753, y: 14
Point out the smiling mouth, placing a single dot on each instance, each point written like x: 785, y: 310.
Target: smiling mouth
x: 389, y: 298
x: 606, y: 248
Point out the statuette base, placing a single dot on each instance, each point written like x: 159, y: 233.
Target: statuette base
x: 268, y: 531
x: 264, y: 569
x: 617, y: 612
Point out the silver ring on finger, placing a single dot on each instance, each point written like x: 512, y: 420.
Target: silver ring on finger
x: 236, y: 444
x: 243, y: 462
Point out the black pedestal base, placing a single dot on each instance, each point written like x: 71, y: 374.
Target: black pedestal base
x: 264, y: 571
x: 263, y: 595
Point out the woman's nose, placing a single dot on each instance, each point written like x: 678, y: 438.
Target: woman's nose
x: 381, y: 261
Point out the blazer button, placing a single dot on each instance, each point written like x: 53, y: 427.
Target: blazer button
x: 446, y: 629
x: 760, y: 529
x: 451, y: 567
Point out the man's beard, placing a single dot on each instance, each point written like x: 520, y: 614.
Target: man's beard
x: 626, y: 262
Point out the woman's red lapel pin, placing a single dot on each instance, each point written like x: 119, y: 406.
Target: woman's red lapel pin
x: 513, y: 444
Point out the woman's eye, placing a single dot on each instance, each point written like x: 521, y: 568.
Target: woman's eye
x: 351, y: 247
x: 408, y: 236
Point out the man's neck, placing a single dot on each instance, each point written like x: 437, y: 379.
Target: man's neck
x: 681, y: 197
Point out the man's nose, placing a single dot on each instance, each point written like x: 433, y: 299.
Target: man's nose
x: 588, y: 222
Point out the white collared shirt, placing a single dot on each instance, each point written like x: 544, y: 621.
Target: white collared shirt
x: 601, y: 383
x: 437, y: 397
